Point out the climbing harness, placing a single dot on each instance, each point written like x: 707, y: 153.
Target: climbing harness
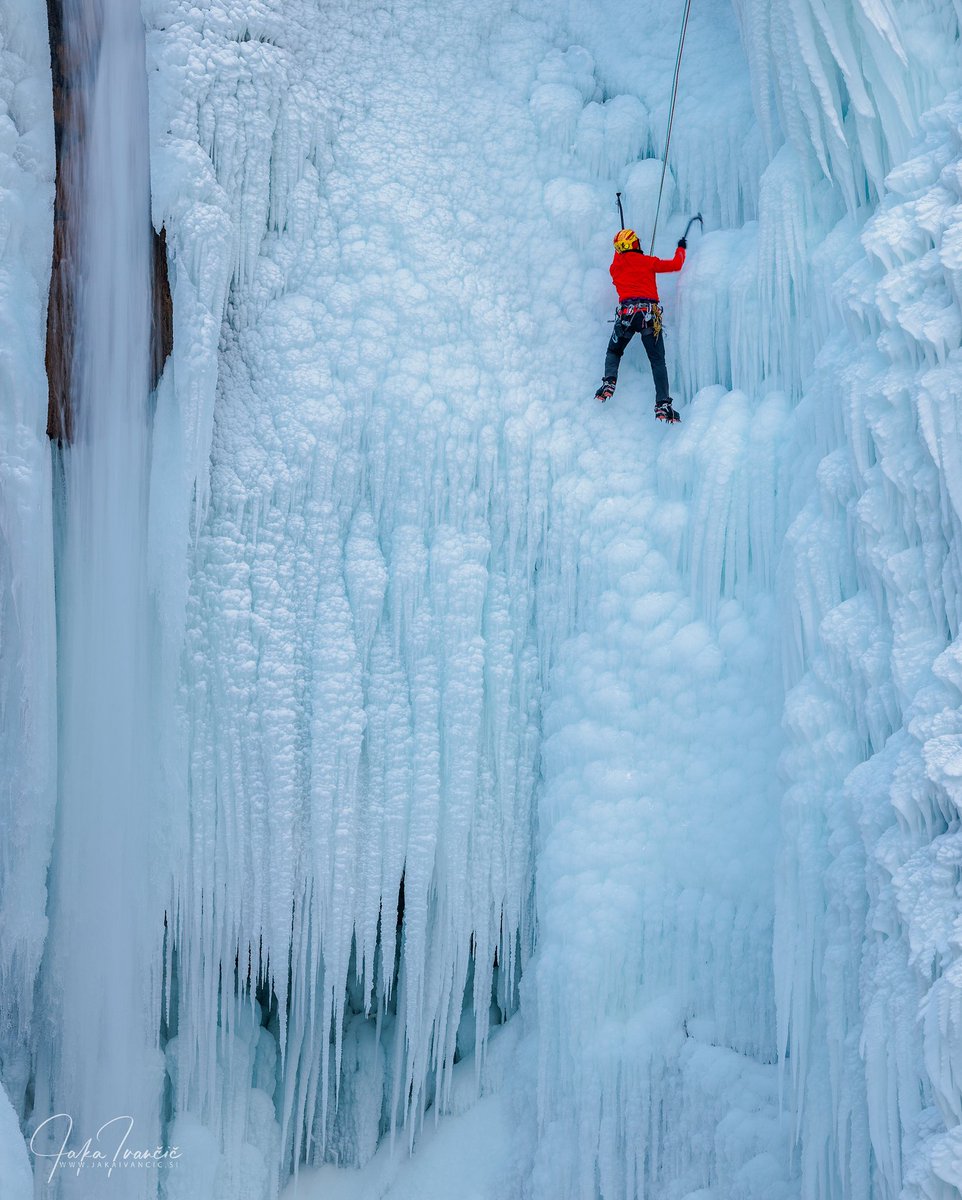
x: 671, y: 120
x: 652, y: 314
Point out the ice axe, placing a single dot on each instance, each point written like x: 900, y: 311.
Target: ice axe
x: 621, y: 211
x: 697, y: 217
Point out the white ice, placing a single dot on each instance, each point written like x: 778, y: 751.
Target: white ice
x: 658, y: 727
x: 28, y: 702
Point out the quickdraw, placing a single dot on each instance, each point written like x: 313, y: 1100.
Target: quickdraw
x: 652, y: 313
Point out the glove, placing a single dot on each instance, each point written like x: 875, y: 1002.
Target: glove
x: 683, y: 243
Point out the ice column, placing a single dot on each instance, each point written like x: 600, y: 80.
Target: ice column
x: 97, y: 1055
x: 27, y: 667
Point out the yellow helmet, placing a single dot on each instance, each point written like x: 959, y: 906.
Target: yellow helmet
x: 625, y: 239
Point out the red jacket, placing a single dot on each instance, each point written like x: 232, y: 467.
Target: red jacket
x: 634, y: 273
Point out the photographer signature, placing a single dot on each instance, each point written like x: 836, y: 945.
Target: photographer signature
x: 88, y: 1154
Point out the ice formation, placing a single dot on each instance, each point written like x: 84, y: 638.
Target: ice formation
x: 28, y: 733
x: 477, y: 738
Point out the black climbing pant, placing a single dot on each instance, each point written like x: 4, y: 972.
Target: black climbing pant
x: 654, y: 345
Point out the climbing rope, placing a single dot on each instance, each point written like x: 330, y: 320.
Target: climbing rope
x: 671, y: 120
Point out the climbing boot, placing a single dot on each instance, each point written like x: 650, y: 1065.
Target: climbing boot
x: 665, y: 412
x: 607, y: 389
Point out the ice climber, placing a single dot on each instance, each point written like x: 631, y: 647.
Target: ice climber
x: 634, y: 274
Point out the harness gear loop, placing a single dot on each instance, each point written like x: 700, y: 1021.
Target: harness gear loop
x: 671, y: 121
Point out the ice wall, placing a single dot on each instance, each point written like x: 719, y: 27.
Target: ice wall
x: 15, y: 1173
x: 28, y: 713
x: 371, y: 509
x: 652, y: 987
x: 652, y: 979
x: 865, y: 950
x: 363, y: 667
x: 470, y: 697
x: 849, y: 316
x: 853, y: 252
x: 408, y: 512
x: 96, y: 1051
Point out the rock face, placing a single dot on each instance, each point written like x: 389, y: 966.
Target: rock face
x: 59, y: 353
x: 68, y: 126
x: 162, y: 310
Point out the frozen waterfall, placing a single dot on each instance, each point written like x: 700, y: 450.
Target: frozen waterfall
x: 418, y: 779
x: 100, y: 983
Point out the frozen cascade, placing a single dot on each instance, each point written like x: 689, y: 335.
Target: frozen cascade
x: 867, y: 943
x: 503, y: 740
x: 101, y: 978
x: 394, y: 547
x: 27, y: 639
x: 363, y: 670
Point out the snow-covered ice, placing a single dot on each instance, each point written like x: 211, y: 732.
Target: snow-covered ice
x: 564, y: 800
